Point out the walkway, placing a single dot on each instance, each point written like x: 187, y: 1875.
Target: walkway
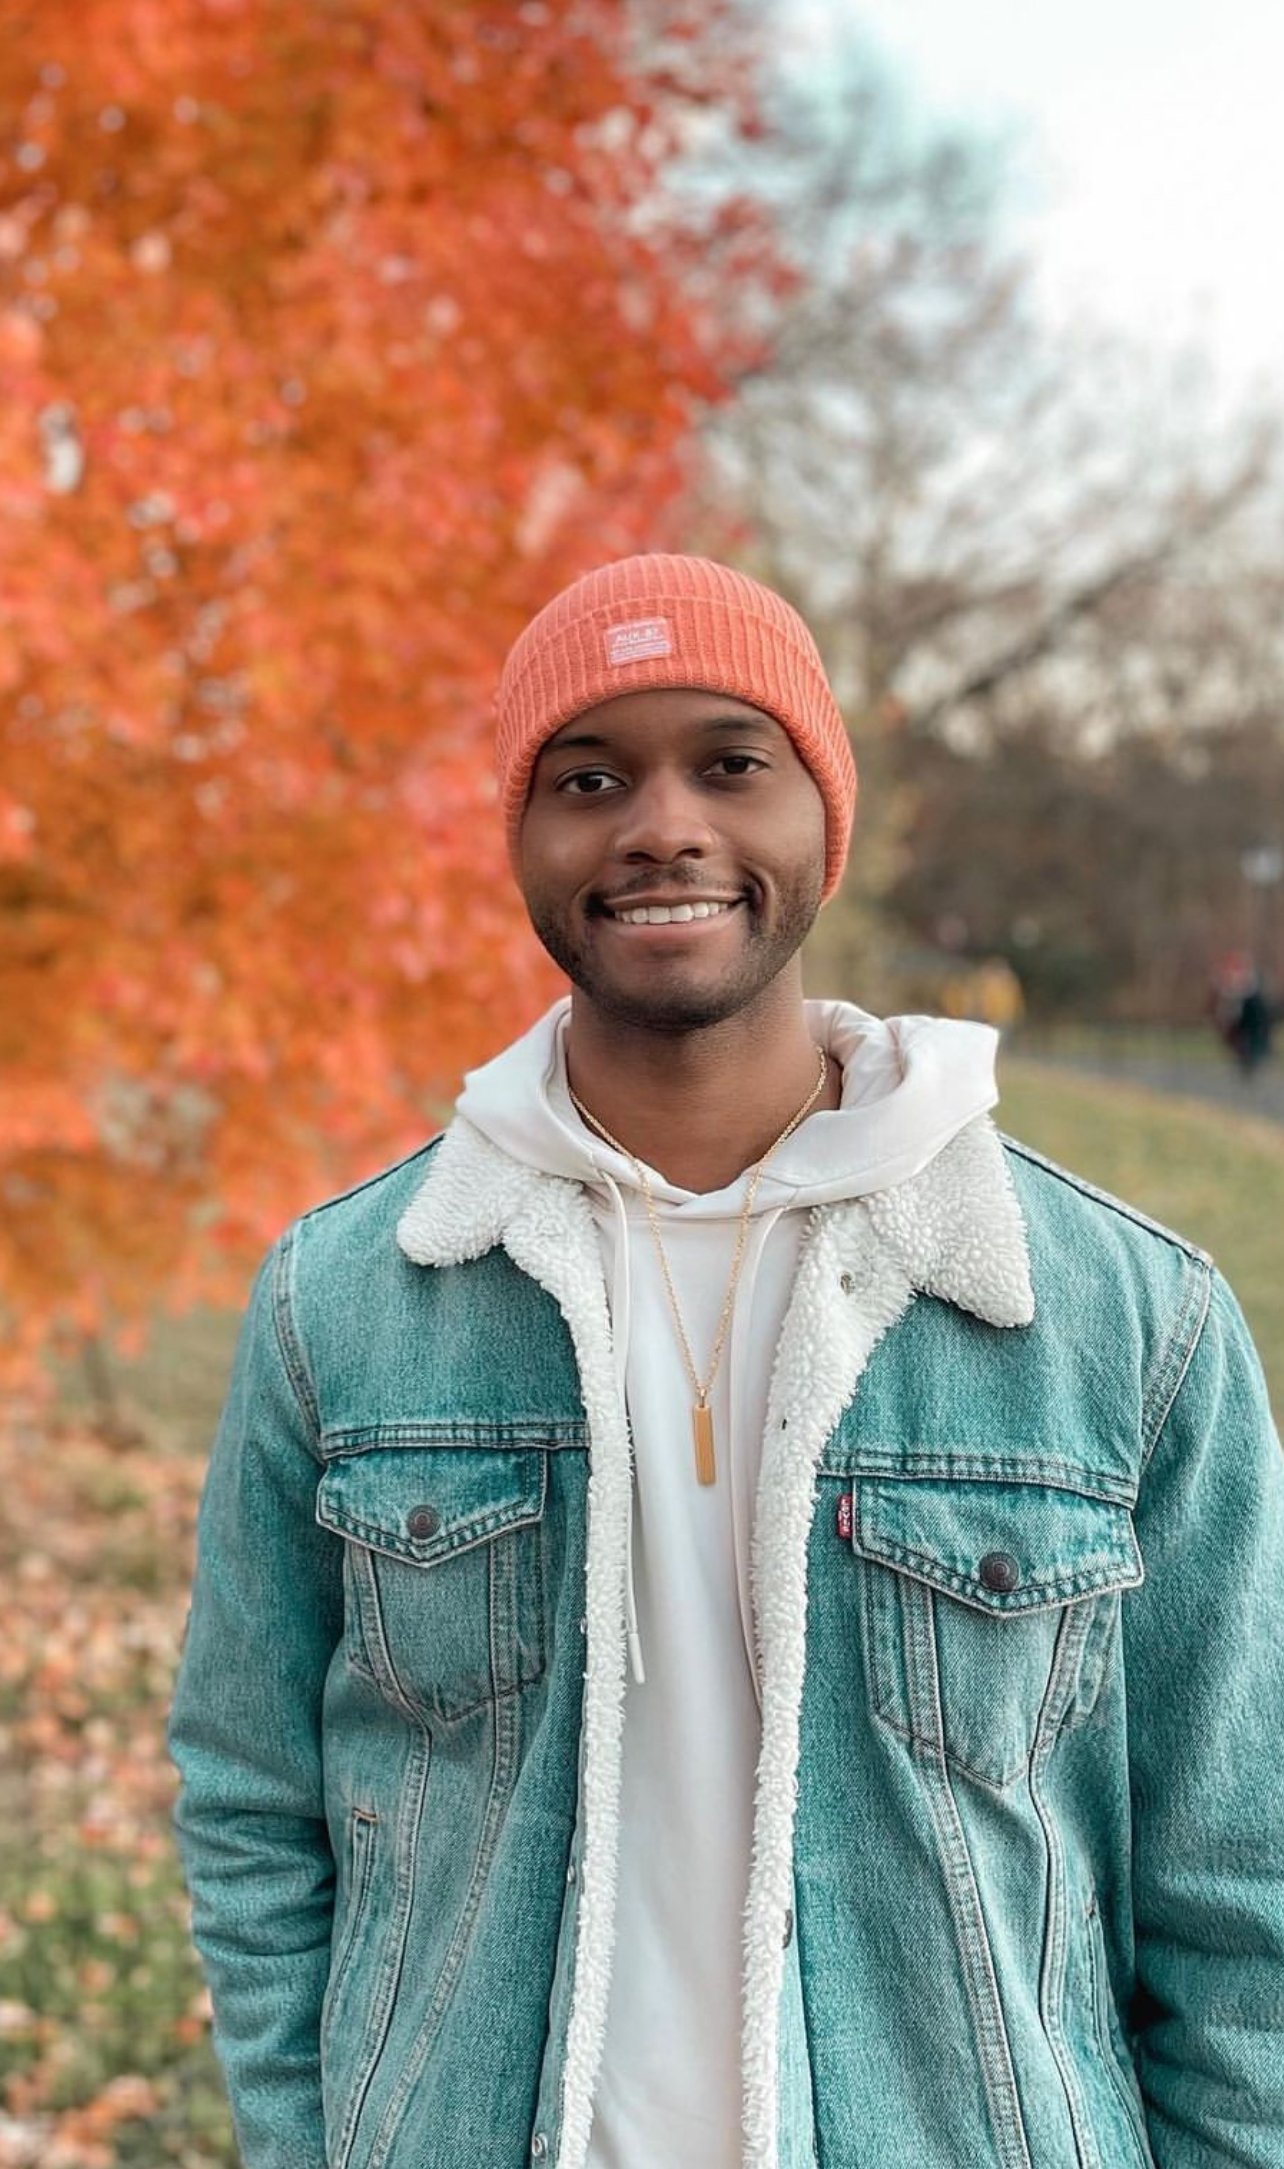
x: 1219, y: 1083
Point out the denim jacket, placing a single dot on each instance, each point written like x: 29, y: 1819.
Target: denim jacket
x: 1017, y: 1891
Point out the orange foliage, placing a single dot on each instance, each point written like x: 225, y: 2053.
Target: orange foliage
x: 334, y: 336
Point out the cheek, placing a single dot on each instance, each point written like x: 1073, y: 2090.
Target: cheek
x: 798, y: 834
x: 550, y: 860
x: 815, y: 813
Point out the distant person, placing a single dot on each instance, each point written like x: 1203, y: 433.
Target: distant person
x: 1242, y: 1011
x: 739, y: 1615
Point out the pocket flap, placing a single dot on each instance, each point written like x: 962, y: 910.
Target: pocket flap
x: 426, y: 1503
x: 1004, y: 1547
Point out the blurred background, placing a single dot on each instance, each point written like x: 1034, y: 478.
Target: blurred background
x: 335, y: 337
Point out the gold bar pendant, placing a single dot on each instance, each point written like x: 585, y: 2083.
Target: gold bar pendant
x: 702, y: 1426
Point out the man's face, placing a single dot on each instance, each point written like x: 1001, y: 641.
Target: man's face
x: 672, y: 799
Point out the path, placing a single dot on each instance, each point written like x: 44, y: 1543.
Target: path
x: 1220, y: 1084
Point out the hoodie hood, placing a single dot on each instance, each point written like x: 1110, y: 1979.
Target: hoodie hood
x: 910, y: 1084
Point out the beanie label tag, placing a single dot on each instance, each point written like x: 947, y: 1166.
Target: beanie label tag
x: 635, y: 642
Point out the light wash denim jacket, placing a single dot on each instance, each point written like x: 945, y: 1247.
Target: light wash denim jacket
x: 1017, y: 1894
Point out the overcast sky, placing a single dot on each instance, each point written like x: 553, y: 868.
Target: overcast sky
x: 1155, y: 140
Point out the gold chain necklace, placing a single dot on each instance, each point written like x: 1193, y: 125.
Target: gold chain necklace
x: 701, y: 1413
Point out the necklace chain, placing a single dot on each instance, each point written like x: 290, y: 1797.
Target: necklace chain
x: 701, y: 1387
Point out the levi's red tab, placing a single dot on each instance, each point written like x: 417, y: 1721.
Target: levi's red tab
x: 845, y: 1517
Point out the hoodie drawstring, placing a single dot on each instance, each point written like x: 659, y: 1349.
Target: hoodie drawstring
x: 620, y: 1303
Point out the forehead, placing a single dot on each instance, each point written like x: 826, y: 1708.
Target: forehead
x: 660, y: 713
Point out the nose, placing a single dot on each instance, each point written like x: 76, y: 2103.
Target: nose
x: 662, y: 819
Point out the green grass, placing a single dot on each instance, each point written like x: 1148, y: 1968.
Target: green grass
x: 1187, y: 1046
x: 1214, y: 1175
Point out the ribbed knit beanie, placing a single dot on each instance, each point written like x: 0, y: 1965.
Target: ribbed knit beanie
x: 659, y: 620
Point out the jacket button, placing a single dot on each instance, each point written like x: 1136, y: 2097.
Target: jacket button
x: 846, y: 1283
x: 539, y: 2147
x: 1000, y: 1571
x: 789, y: 1928
x: 423, y: 1521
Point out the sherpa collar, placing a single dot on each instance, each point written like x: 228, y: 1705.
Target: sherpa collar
x: 952, y: 1231
x: 955, y: 1228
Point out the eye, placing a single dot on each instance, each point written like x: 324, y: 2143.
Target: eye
x: 587, y: 783
x: 739, y: 764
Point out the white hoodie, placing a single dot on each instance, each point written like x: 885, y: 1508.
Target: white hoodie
x: 670, y: 2083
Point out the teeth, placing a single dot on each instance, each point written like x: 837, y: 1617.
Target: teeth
x: 665, y: 914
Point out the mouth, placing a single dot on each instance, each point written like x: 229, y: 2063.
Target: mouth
x: 683, y: 913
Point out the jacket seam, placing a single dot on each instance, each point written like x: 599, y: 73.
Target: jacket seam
x: 865, y: 1462
x: 504, y: 1760
x: 289, y: 1343
x: 518, y: 1434
x: 967, y: 1914
x: 1105, y: 1197
x: 372, y: 1182
x: 1178, y: 1356
x: 1058, y: 1698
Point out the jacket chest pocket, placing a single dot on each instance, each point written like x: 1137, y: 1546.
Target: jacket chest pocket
x: 988, y: 1608
x: 443, y: 1572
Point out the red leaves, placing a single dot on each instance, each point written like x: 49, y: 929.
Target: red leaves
x: 330, y: 345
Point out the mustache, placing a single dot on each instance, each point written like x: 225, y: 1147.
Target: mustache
x: 690, y: 884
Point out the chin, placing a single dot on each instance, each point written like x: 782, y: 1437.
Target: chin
x: 669, y: 1004
x: 673, y: 1012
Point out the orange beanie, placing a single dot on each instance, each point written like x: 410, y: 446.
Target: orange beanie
x: 685, y: 621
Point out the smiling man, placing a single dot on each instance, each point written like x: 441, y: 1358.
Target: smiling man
x: 739, y: 1620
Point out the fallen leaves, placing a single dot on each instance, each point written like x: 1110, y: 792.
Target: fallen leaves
x: 104, y: 2022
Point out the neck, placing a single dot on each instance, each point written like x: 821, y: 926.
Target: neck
x: 702, y: 1106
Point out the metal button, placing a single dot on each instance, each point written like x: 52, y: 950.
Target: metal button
x: 1000, y: 1571
x: 584, y: 1624
x: 789, y: 1928
x: 571, y: 1873
x: 539, y: 2147
x: 846, y: 1283
x: 423, y: 1521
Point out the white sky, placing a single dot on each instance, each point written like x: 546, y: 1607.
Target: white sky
x: 1155, y: 130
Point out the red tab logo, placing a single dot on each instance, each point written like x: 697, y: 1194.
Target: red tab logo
x: 845, y: 1517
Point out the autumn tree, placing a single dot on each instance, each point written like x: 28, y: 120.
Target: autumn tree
x: 334, y: 336
x: 1112, y: 867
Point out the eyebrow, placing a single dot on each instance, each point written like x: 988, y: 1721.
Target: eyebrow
x: 727, y: 724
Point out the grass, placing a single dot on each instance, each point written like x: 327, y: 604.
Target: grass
x: 1214, y: 1175
x: 1191, y: 1046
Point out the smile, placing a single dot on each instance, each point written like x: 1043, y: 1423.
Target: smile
x: 667, y: 914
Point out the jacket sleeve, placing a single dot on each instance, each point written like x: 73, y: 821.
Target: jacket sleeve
x: 1204, y: 1651
x: 245, y: 1733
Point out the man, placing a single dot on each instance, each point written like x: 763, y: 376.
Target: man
x: 739, y: 1616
